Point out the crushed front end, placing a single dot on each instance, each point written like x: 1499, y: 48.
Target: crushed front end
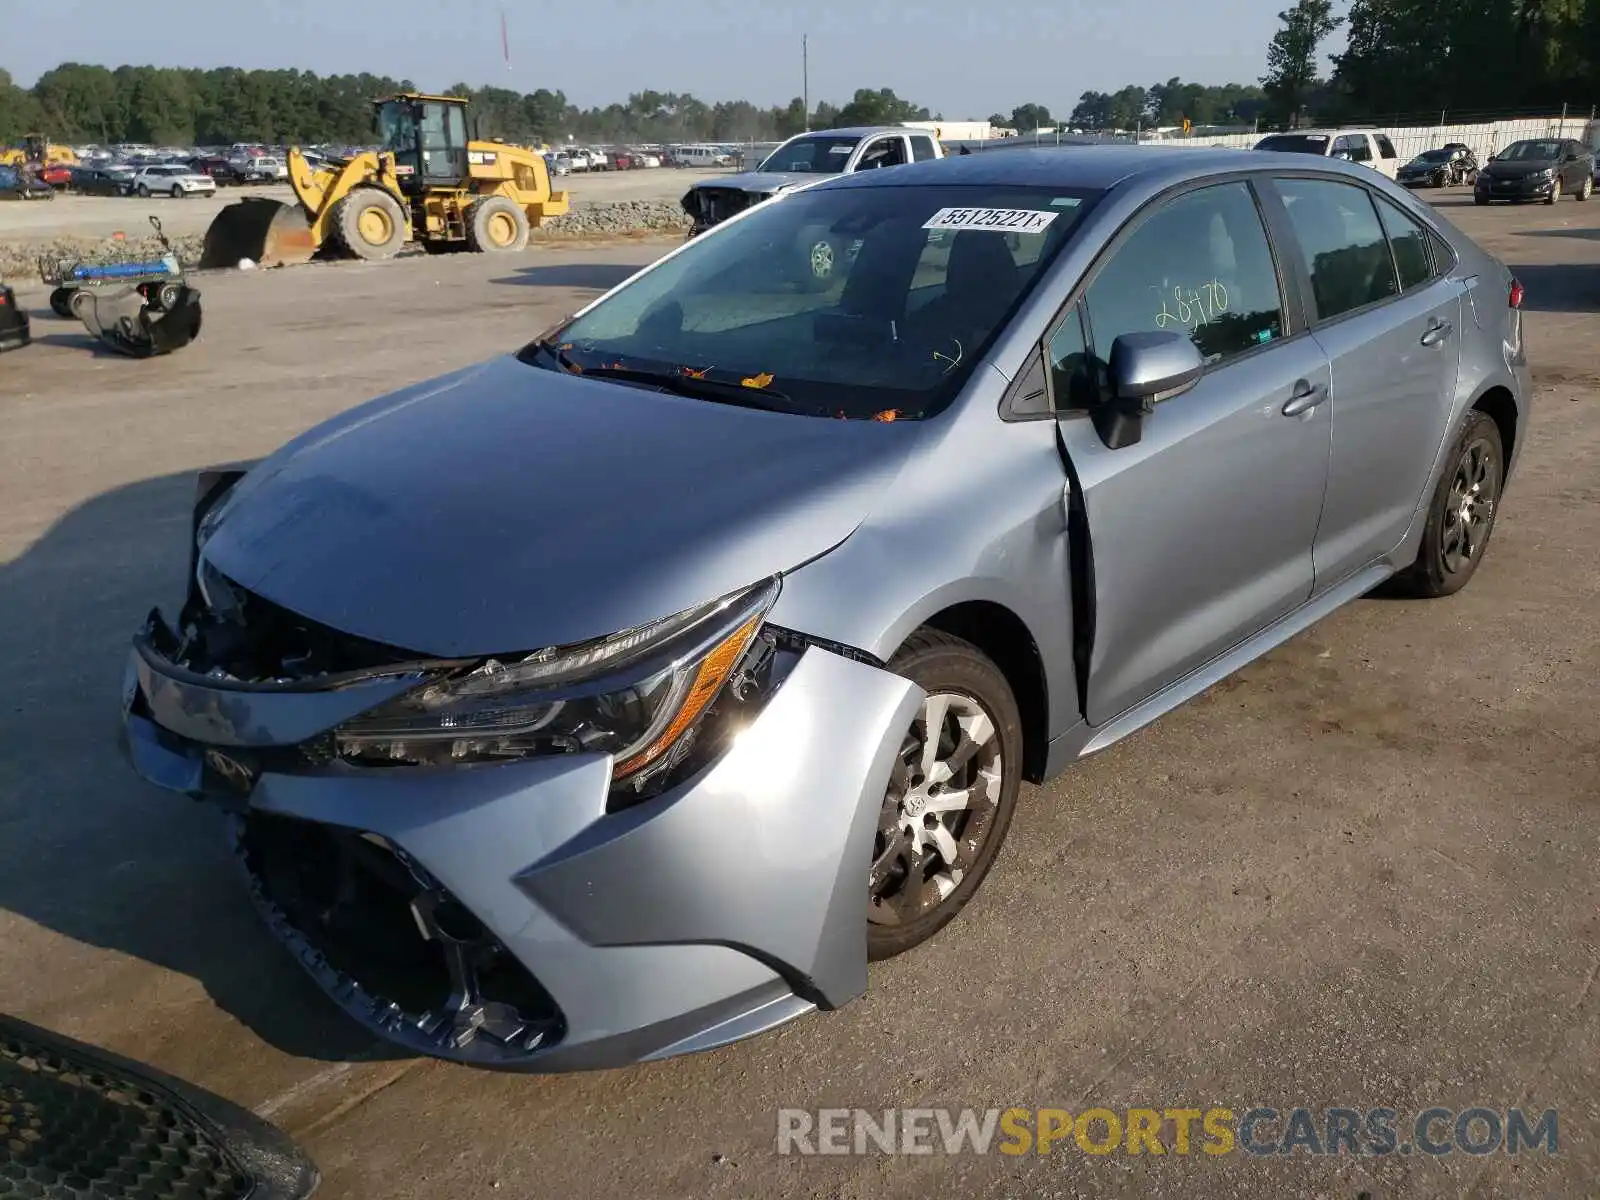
x: 711, y: 204
x: 487, y: 874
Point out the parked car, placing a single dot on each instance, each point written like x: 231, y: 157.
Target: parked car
x: 1448, y: 166
x: 1352, y: 145
x: 799, y: 162
x: 1537, y: 169
x: 177, y: 181
x: 102, y: 181
x: 261, y: 169
x: 222, y: 171
x: 1058, y: 454
x: 17, y: 185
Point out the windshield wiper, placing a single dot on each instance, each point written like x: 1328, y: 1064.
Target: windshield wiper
x: 717, y: 390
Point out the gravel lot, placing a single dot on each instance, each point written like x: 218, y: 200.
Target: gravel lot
x: 1360, y: 873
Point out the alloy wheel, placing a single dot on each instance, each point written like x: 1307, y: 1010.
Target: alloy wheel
x: 1469, y: 508
x: 943, y: 794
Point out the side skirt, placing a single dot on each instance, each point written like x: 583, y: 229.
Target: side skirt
x: 1083, y: 740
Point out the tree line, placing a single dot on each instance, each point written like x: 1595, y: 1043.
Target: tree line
x: 1413, y: 60
x: 76, y: 102
x: 1404, y: 58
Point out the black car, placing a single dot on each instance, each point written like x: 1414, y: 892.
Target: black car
x: 102, y: 181
x: 1537, y: 169
x: 1448, y: 166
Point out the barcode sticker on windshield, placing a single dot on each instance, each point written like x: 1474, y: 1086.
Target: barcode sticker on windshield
x: 1001, y: 220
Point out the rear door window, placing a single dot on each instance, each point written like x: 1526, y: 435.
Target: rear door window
x: 1199, y: 264
x: 1409, y: 243
x: 1342, y: 243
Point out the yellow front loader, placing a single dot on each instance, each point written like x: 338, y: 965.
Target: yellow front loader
x: 427, y: 183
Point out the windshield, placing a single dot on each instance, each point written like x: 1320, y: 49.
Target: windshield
x: 1296, y: 143
x: 850, y: 302
x: 1534, y: 151
x: 826, y: 154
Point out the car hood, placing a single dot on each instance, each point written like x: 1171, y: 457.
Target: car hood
x: 1516, y: 170
x: 764, y: 182
x: 505, y: 508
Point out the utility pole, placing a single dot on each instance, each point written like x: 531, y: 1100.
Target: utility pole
x: 805, y: 76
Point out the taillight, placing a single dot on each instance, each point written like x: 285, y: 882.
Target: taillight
x: 1516, y: 293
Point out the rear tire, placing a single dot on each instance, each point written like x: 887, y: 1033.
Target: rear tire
x: 495, y: 225
x: 371, y: 224
x: 1461, y: 514
x: 975, y: 756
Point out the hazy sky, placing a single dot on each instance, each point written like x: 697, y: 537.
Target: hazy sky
x: 964, y: 58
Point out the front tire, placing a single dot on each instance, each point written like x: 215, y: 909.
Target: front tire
x: 1462, y: 514
x: 371, y: 224
x: 951, y: 793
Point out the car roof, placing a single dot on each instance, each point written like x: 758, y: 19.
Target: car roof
x: 1094, y: 168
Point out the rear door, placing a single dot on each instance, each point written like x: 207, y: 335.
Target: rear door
x: 1389, y: 318
x: 1201, y: 531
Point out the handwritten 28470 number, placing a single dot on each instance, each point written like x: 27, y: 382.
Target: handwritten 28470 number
x: 1193, y: 307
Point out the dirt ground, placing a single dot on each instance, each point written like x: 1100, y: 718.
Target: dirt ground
x: 1361, y: 873
x: 102, y: 216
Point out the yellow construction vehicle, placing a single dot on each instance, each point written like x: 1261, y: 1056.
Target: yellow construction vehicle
x: 428, y: 182
x: 38, y: 152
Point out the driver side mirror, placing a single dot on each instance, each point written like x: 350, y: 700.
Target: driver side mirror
x: 1145, y: 369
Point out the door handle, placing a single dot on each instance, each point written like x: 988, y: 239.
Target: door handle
x: 1306, y: 397
x: 1437, y: 333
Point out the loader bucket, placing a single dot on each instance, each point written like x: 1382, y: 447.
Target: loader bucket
x: 267, y: 232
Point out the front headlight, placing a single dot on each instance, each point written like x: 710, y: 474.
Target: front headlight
x: 636, y: 696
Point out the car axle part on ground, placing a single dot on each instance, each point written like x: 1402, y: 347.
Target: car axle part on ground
x: 430, y: 183
x: 626, y: 696
x: 79, y: 1122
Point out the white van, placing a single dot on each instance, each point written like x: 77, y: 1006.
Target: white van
x: 702, y: 156
x: 1354, y: 145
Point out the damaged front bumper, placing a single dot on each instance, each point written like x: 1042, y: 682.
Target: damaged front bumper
x: 500, y: 914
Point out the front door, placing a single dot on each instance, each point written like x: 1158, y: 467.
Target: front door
x: 1201, y: 531
x: 1389, y: 319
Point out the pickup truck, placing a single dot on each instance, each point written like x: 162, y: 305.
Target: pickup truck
x: 804, y: 160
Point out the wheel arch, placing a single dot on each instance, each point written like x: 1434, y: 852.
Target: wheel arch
x: 1005, y: 638
x: 1500, y: 406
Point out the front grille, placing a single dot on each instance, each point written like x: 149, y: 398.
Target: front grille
x: 77, y: 1125
x: 391, y: 944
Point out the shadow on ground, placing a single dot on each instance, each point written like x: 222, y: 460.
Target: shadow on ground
x: 86, y: 848
x: 601, y: 276
x: 1559, y: 287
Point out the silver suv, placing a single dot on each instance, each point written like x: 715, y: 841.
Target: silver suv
x: 624, y: 696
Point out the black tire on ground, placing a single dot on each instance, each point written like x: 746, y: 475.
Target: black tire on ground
x: 944, y: 665
x: 496, y: 224
x: 370, y: 224
x: 1474, y: 475
x: 61, y: 301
